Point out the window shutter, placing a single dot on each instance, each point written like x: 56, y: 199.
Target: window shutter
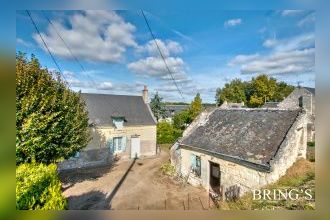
x: 193, y: 160
x: 124, y: 144
x: 110, y: 144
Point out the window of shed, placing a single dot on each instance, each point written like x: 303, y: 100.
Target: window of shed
x: 196, y: 165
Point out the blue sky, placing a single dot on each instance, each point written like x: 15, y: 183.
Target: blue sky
x: 204, y: 49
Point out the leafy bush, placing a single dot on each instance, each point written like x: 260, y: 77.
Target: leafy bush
x: 166, y: 133
x: 38, y: 187
x: 51, y: 119
x: 168, y: 169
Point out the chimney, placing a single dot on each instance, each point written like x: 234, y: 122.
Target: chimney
x: 145, y: 94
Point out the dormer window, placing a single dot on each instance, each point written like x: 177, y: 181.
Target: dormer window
x: 118, y: 122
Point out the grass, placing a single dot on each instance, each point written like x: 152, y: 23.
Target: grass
x: 168, y: 169
x: 311, y: 152
x: 300, y: 176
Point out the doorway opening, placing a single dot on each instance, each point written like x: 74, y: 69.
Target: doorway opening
x: 215, y: 176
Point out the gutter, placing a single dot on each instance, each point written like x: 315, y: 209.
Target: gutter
x: 237, y: 160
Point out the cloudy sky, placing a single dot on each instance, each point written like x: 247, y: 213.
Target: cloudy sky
x: 203, y: 49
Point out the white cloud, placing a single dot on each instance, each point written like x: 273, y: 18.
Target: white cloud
x: 240, y: 59
x: 92, y: 35
x: 105, y: 86
x: 167, y: 48
x: 308, y: 19
x: 291, y: 12
x: 73, y: 81
x: 293, y: 62
x: 295, y: 55
x: 270, y: 43
x: 153, y: 65
x: 23, y: 42
x: 232, y: 22
x: 306, y: 40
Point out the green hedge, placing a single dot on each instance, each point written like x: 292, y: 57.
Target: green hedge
x: 38, y: 187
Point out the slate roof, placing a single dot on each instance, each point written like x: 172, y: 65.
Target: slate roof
x: 252, y: 135
x: 311, y: 90
x: 172, y: 109
x: 102, y: 107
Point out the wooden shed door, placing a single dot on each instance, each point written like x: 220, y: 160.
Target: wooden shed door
x: 135, y: 147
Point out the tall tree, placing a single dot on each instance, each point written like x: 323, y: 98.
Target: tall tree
x: 232, y: 92
x: 158, y: 107
x: 196, y: 106
x: 51, y: 119
x: 264, y: 89
x: 255, y: 92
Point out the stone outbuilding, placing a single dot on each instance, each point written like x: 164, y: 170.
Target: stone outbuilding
x: 302, y: 97
x: 122, y: 127
x: 240, y: 149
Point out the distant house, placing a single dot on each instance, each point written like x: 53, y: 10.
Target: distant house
x: 121, y: 126
x: 240, y: 149
x: 226, y: 104
x: 270, y: 105
x: 171, y: 110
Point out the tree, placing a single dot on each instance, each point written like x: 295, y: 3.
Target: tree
x: 232, y: 92
x: 282, y: 91
x: 264, y: 88
x: 158, y: 107
x: 195, y: 107
x: 166, y: 133
x: 255, y: 92
x: 51, y: 119
x: 182, y: 119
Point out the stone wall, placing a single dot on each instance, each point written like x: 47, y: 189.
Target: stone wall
x: 98, y: 153
x: 292, y: 102
x: 292, y: 147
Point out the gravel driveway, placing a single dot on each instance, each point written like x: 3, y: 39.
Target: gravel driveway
x: 130, y: 185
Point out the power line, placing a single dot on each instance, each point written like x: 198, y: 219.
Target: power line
x: 67, y: 46
x: 50, y: 53
x: 161, y: 54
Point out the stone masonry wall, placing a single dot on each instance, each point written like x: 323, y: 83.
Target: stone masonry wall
x: 293, y: 147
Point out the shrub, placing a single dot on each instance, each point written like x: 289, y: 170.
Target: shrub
x: 168, y: 169
x: 166, y: 133
x: 38, y: 187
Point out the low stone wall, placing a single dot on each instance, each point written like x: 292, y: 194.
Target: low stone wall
x: 87, y: 158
